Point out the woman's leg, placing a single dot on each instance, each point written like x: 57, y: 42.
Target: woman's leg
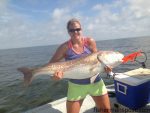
x: 75, y: 96
x: 74, y: 106
x: 102, y: 103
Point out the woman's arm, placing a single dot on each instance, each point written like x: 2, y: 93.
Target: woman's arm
x: 92, y: 44
x: 59, y: 54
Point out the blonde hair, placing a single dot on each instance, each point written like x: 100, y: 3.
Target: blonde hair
x: 71, y: 21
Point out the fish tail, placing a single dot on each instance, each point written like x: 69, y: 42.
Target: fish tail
x: 28, y: 76
x: 132, y: 56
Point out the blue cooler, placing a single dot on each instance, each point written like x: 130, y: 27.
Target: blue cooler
x: 132, y: 92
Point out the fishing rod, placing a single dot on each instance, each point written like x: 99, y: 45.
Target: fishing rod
x: 141, y: 60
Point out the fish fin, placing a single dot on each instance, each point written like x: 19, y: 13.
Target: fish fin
x: 28, y: 76
x: 93, y: 69
x: 92, y: 79
x: 131, y: 57
x: 94, y: 72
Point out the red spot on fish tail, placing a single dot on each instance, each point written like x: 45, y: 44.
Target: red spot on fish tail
x: 132, y: 56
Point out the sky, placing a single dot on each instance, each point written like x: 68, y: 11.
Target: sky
x: 27, y: 23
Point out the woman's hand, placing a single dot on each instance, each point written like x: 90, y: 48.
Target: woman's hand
x: 108, y: 69
x: 58, y: 75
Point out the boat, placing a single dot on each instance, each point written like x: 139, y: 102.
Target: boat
x: 88, y: 106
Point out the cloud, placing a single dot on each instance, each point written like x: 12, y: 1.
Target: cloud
x: 120, y: 19
x: 59, y: 13
x: 140, y: 8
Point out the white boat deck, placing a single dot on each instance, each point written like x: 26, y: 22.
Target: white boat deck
x: 88, y: 106
x: 59, y: 106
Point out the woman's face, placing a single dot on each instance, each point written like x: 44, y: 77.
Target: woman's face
x: 75, y: 30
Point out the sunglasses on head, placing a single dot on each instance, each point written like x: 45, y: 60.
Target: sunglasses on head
x: 73, y: 30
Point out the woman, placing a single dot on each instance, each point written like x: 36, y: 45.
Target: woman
x: 76, y: 47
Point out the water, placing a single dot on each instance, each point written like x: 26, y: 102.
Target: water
x: 15, y: 98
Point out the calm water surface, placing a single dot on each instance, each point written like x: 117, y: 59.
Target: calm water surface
x: 15, y: 98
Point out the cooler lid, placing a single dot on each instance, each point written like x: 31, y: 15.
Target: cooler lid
x: 140, y: 73
x: 134, y: 77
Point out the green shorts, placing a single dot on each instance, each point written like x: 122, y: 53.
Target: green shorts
x: 79, y: 92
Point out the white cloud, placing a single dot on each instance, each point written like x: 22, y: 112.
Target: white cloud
x: 140, y: 8
x: 17, y: 31
x: 120, y: 19
x: 59, y: 13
